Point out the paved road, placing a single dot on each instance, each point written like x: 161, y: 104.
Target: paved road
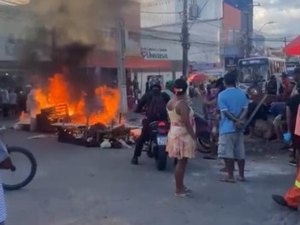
x: 79, y: 186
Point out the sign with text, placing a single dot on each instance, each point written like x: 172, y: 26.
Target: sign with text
x: 155, y: 53
x: 160, y: 49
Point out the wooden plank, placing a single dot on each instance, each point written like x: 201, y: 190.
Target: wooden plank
x: 75, y: 125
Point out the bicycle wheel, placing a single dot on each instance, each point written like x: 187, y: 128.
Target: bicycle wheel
x: 25, y: 169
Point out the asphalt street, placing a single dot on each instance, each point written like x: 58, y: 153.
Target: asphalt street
x: 91, y: 186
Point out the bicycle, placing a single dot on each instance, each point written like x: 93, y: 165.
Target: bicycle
x: 13, y: 178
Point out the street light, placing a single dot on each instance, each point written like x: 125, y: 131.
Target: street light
x: 265, y: 24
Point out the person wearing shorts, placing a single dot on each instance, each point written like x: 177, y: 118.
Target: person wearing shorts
x: 231, y: 146
x: 233, y: 105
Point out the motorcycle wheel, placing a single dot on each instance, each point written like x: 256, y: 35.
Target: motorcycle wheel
x: 204, y: 140
x: 150, y: 151
x: 161, y: 159
x: 20, y: 157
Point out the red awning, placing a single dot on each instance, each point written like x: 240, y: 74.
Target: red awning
x: 109, y: 60
x: 293, y: 48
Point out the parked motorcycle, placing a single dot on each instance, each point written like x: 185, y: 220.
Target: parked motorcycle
x: 156, y: 147
x: 203, y: 133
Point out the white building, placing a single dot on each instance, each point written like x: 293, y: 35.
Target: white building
x: 162, y: 19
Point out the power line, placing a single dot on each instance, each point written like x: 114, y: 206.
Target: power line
x: 164, y: 13
x: 206, y: 43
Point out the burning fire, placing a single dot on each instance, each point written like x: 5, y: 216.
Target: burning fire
x: 106, y: 101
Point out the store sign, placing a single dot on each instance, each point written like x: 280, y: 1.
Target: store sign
x: 155, y: 46
x: 154, y: 53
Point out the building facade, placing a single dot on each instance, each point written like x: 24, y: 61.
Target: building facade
x: 162, y: 19
x: 237, y: 30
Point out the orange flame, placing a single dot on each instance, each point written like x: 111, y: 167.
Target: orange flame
x: 57, y: 94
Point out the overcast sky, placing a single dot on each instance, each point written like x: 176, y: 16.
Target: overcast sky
x: 285, y: 14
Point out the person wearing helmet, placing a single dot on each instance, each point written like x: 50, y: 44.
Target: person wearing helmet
x: 153, y: 103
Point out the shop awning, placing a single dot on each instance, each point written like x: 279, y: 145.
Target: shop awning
x: 293, y: 48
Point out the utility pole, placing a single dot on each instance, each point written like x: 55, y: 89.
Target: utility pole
x: 248, y: 36
x: 185, y: 40
x: 121, y: 67
x: 285, y: 44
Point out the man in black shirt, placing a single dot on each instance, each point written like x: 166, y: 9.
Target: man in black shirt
x: 153, y: 103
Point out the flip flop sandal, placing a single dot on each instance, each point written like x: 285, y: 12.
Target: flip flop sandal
x: 226, y: 180
x: 241, y: 179
x: 181, y: 195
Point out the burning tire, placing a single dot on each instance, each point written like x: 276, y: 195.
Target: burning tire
x: 24, y: 171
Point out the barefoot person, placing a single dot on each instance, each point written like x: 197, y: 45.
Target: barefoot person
x: 182, y: 138
x: 233, y: 104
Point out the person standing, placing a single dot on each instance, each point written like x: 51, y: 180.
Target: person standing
x: 292, y: 197
x: 297, y: 81
x: 32, y: 107
x: 5, y: 103
x: 287, y: 87
x: 272, y: 86
x: 182, y: 142
x: 136, y: 89
x: 197, y: 99
x: 233, y: 105
x: 13, y: 102
x: 148, y: 84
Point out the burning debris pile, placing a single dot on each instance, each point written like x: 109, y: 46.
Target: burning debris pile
x: 105, y: 102
x: 72, y: 96
x: 80, y: 110
x: 71, y: 102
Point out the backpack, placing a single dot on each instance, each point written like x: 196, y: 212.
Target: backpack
x: 157, y: 108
